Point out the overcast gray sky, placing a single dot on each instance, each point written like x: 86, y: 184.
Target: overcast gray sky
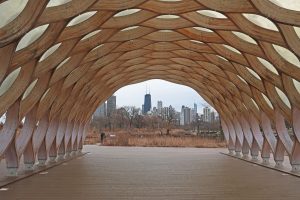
x: 169, y: 93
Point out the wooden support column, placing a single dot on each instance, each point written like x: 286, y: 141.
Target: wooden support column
x: 279, y: 154
x: 38, y: 140
x: 266, y: 152
x: 254, y: 150
x: 12, y: 160
x: 245, y: 148
x: 42, y: 154
x: 230, y: 143
x: 68, y: 148
x: 61, y: 151
x: 7, y: 139
x: 60, y: 143
x: 237, y: 146
x: 24, y: 140
x: 269, y: 144
x: 68, y: 145
x: 51, y: 141
x: 295, y: 156
x: 28, y: 156
x: 52, y: 151
x: 79, y: 137
x: 239, y: 137
x: 74, y: 138
x: 248, y: 137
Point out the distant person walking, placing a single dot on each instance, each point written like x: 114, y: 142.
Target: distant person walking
x: 102, y: 137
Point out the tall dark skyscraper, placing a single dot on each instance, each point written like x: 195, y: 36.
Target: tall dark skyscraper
x: 147, y: 103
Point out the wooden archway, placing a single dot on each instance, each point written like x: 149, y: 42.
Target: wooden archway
x: 61, y: 59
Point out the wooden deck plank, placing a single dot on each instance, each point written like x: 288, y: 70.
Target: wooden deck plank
x: 155, y: 173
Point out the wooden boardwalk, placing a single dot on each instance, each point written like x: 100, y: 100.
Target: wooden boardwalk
x: 155, y: 173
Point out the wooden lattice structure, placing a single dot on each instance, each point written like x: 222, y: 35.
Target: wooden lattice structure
x: 60, y: 59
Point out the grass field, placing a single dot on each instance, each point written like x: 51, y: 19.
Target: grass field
x: 154, y: 139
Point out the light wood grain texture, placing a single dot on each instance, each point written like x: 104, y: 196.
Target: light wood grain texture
x: 231, y: 61
x: 155, y: 173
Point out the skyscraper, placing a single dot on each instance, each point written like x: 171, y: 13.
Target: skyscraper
x: 101, y: 111
x: 185, y: 115
x: 206, y: 114
x: 111, y: 105
x: 182, y: 116
x: 147, y: 103
x: 159, y: 106
x: 212, y: 116
x: 194, y: 113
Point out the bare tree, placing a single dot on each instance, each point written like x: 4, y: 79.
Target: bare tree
x: 170, y: 119
x: 131, y: 113
x: 139, y: 121
x: 121, y: 118
x: 99, y: 123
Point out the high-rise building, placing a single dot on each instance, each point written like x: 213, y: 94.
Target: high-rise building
x: 177, y: 118
x: 192, y: 115
x: 154, y: 111
x: 101, y: 111
x: 111, y: 105
x: 159, y: 106
x: 147, y: 103
x: 201, y: 117
x: 182, y: 116
x: 212, y: 116
x: 185, y: 115
x: 165, y: 112
x: 169, y: 112
x: 206, y: 114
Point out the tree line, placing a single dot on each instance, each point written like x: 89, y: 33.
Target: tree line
x: 129, y: 117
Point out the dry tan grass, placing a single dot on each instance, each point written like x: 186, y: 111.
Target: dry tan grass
x: 154, y: 139
x: 169, y: 141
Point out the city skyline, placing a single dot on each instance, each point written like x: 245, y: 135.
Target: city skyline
x: 160, y: 90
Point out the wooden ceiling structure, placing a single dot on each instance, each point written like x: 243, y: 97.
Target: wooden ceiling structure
x: 61, y: 59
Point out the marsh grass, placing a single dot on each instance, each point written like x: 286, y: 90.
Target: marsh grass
x: 155, y: 139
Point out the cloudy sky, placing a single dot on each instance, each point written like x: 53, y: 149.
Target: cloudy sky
x: 169, y: 93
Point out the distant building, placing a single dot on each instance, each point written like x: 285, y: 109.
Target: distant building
x: 159, y: 107
x: 147, y: 103
x: 206, y: 114
x: 111, y: 105
x: 143, y: 109
x: 193, y: 115
x: 212, y: 116
x: 177, y: 118
x: 182, y: 116
x: 168, y: 113
x: 101, y: 111
x: 201, y: 117
x: 165, y: 112
x: 185, y: 115
x: 195, y: 108
x: 171, y: 112
x: 154, y: 111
